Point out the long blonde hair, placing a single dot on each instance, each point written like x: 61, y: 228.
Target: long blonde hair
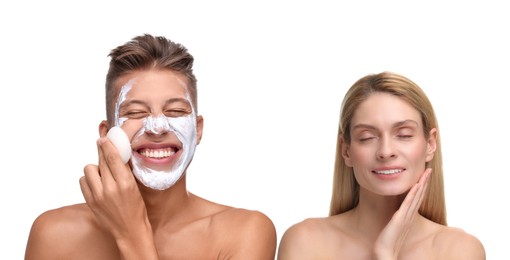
x: 345, y: 187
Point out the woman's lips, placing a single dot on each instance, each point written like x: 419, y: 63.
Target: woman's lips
x: 388, y: 173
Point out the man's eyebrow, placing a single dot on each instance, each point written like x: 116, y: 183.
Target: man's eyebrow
x: 140, y: 102
x: 176, y: 100
x: 131, y: 102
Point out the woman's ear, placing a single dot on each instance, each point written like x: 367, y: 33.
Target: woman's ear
x: 103, y: 128
x: 431, y: 144
x: 345, y: 152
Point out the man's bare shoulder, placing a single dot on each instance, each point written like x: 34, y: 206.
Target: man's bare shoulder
x: 455, y: 243
x: 237, y: 220
x: 233, y: 215
x: 245, y: 232
x: 55, y: 221
x: 65, y: 212
x: 243, y: 221
x: 57, y: 232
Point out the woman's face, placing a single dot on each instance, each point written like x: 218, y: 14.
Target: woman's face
x: 388, y: 149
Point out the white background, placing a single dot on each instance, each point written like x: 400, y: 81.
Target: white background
x: 272, y: 75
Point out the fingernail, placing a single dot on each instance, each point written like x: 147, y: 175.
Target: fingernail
x: 101, y: 141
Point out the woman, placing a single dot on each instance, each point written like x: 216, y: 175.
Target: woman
x: 388, y: 197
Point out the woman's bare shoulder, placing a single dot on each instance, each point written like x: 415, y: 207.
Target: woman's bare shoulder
x: 306, y: 239
x: 311, y: 227
x: 456, y: 243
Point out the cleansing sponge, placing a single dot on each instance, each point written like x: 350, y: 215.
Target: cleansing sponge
x: 121, y: 141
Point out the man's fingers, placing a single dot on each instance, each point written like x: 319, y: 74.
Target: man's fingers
x: 85, y: 189
x: 91, y: 182
x: 104, y: 168
x: 110, y: 155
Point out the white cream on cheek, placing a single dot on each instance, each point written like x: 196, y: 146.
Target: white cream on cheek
x: 185, y: 130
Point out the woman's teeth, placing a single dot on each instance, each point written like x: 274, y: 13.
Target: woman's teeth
x: 387, y: 172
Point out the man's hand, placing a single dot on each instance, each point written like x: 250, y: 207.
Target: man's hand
x: 112, y: 193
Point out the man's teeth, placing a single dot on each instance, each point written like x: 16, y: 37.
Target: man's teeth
x: 389, y: 171
x: 158, y: 153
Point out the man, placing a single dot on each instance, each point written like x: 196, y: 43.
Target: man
x: 142, y: 209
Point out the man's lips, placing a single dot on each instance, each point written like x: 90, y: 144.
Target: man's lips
x: 158, y: 153
x: 157, y: 150
x: 158, y: 157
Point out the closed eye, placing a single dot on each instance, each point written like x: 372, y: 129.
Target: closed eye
x: 365, y: 139
x: 136, y: 114
x: 176, y: 112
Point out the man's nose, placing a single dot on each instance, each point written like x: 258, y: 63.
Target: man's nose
x: 157, y: 125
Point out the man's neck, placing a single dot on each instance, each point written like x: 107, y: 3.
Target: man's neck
x: 170, y: 205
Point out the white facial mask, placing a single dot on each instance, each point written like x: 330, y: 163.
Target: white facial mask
x: 185, y: 130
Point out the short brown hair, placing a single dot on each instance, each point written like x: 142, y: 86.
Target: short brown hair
x: 148, y: 52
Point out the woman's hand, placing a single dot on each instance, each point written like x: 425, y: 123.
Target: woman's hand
x: 389, y: 242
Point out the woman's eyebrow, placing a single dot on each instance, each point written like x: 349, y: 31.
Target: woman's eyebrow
x: 395, y: 125
x: 365, y: 126
x: 405, y: 122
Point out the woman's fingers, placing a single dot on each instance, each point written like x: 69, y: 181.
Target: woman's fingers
x: 415, y: 196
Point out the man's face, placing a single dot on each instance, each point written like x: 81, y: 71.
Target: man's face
x: 155, y: 110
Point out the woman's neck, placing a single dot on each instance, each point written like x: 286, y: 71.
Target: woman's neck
x: 373, y: 213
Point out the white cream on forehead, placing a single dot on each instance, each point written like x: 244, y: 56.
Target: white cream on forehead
x: 120, y: 99
x: 183, y: 127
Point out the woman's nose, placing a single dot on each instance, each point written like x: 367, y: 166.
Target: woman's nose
x: 385, y: 150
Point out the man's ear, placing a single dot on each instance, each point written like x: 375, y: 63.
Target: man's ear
x: 200, y: 128
x: 431, y: 144
x: 344, y: 146
x: 103, y: 128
